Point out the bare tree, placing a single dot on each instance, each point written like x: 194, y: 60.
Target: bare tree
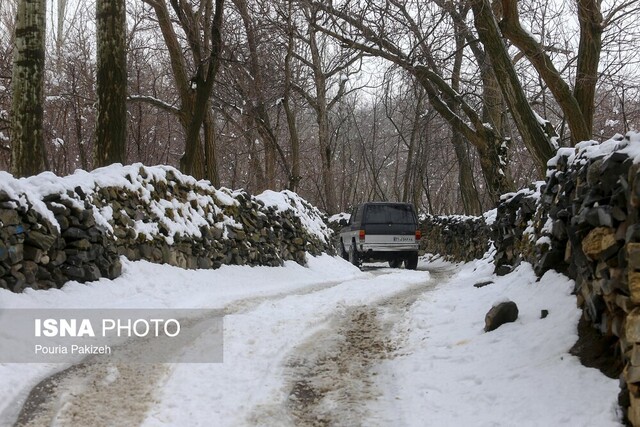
x: 259, y: 75
x: 330, y: 67
x: 287, y: 98
x: 398, y: 38
x: 194, y: 80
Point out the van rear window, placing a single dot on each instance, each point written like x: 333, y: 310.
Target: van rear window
x: 385, y: 214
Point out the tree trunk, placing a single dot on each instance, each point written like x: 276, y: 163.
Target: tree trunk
x: 409, y: 171
x: 198, y: 158
x: 493, y: 166
x: 326, y: 156
x: 192, y: 162
x: 589, y: 49
x: 468, y: 190
x: 535, y: 139
x: 256, y: 172
x: 211, y: 162
x: 466, y: 181
x: 27, y: 148
x: 111, y: 82
x: 294, y: 178
x: 59, y: 39
x: 322, y: 112
x: 572, y: 108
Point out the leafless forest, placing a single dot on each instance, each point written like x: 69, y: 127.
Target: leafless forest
x: 443, y: 103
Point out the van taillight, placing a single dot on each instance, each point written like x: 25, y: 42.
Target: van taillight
x: 361, y: 235
x: 418, y: 234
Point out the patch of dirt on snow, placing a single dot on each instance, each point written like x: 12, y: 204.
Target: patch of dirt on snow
x: 330, y: 373
x: 93, y: 393
x: 77, y: 395
x: 328, y: 389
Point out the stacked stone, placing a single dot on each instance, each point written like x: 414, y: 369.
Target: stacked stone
x: 85, y: 250
x: 587, y: 203
x: 457, y: 238
x: 624, y: 281
x: 38, y: 254
x: 588, y: 222
x: 516, y: 219
x: 143, y: 221
x: 336, y: 225
x: 23, y: 261
x: 592, y: 204
x: 256, y: 235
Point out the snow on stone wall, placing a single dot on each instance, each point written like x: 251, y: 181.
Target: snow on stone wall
x: 53, y: 229
x: 584, y: 221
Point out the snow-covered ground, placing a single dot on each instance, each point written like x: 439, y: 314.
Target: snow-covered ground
x: 337, y: 345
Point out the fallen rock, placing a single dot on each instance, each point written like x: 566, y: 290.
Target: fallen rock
x: 500, y: 314
x: 483, y: 284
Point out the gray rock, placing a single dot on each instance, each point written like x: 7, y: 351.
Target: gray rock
x: 40, y: 240
x: 75, y: 233
x: 73, y: 272
x: 16, y: 253
x: 91, y: 272
x: 500, y: 314
x: 9, y: 217
x: 32, y: 253
x: 29, y: 269
x: 483, y: 284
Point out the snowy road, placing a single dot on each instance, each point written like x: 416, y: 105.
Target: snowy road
x: 330, y: 373
x: 327, y: 345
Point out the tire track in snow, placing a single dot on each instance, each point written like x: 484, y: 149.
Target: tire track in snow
x: 106, y: 394
x: 77, y: 396
x: 330, y: 373
x: 94, y: 393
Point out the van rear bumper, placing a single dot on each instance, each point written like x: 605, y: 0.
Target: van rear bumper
x: 389, y: 247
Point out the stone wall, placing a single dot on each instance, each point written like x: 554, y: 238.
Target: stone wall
x: 54, y: 229
x: 456, y: 238
x: 513, y: 233
x: 584, y: 221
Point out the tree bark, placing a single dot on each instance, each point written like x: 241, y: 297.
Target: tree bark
x: 59, y: 39
x: 211, y: 162
x: 468, y: 189
x: 322, y: 116
x: 578, y: 119
x: 27, y: 148
x: 466, y: 181
x: 193, y: 91
x: 590, y: 18
x: 111, y: 82
x: 534, y: 137
x: 294, y: 178
x: 203, y: 82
